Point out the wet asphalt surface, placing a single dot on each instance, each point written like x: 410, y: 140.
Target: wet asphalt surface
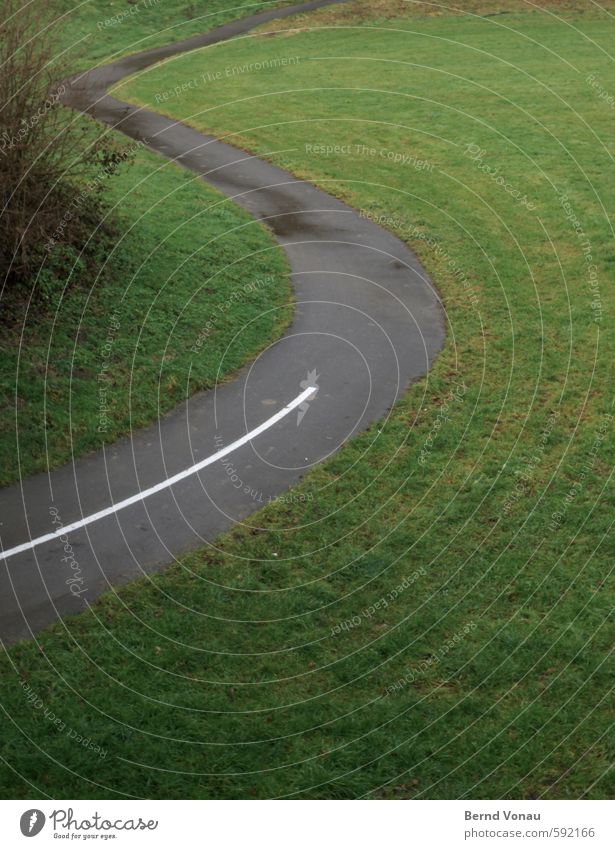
x: 367, y: 322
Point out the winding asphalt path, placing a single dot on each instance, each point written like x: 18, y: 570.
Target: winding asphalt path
x: 367, y: 323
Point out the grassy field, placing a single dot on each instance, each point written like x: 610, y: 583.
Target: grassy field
x: 434, y: 622
x: 182, y: 255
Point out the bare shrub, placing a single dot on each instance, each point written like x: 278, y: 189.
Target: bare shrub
x: 45, y: 150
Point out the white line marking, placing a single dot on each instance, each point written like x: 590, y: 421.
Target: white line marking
x: 163, y: 484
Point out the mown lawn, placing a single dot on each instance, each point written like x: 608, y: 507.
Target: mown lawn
x: 434, y: 622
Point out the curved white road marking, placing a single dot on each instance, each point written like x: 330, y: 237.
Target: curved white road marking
x: 65, y: 529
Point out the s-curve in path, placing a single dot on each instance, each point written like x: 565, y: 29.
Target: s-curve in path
x: 367, y: 323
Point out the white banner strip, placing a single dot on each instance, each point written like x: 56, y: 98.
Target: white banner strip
x: 309, y: 824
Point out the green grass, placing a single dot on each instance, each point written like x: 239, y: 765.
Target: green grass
x: 235, y: 673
